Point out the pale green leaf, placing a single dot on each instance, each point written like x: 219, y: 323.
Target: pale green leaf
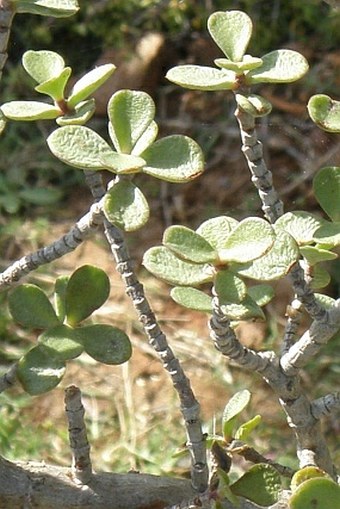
x: 62, y: 341
x: 191, y: 298
x: 315, y: 254
x: 126, y: 206
x: 245, y: 310
x: 40, y: 370
x: 229, y: 287
x: 260, y: 484
x: 80, y: 115
x: 251, y: 238
x: 87, y: 289
x: 325, y: 112
x: 261, y: 294
x: 320, y: 278
x: 55, y: 87
x: 105, y: 343
x: 248, y: 62
x: 326, y: 186
x: 243, y: 432
x: 237, y: 403
x: 55, y: 8
x: 89, y: 83
x: 318, y: 492
x: 279, y: 66
x: 30, y: 307
x: 29, y: 110
x: 231, y: 30
x: 130, y: 113
x: 274, y: 264
x: 147, y: 138
x: 188, y: 245
x: 328, y: 235
x: 300, y: 225
x: 199, y: 77
x: 306, y: 473
x: 217, y: 230
x: 43, y: 65
x: 175, y: 158
x: 166, y: 265
x: 255, y: 105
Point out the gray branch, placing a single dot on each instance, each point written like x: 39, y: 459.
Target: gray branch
x: 6, y: 17
x: 57, y: 249
x: 9, y: 379
x: 325, y: 405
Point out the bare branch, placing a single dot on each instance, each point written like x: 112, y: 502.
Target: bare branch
x: 325, y: 405
x: 293, y: 314
x: 6, y: 17
x: 9, y: 379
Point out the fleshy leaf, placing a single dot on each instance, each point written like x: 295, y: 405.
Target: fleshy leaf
x: 306, y: 473
x: 234, y: 407
x: 261, y: 294
x: 316, y: 493
x: 320, y: 278
x: 130, y: 113
x: 63, y: 341
x: 229, y: 287
x: 166, y: 265
x: 191, y: 298
x: 231, y: 31
x: 260, y: 484
x: 175, y: 158
x: 105, y: 343
x: 255, y: 105
x: 325, y: 112
x: 43, y: 65
x: 314, y: 254
x: 274, y: 264
x: 199, y: 77
x: 328, y: 235
x: 243, y: 432
x: 40, y: 370
x: 55, y: 8
x: 126, y: 206
x: 326, y: 186
x: 188, y: 245
x: 245, y: 310
x: 279, y: 66
x: 55, y: 87
x: 60, y: 296
x: 248, y: 62
x: 217, y: 230
x: 147, y: 138
x: 30, y: 307
x: 88, y: 288
x: 80, y: 115
x: 300, y: 225
x: 89, y: 83
x: 29, y: 110
x: 252, y: 238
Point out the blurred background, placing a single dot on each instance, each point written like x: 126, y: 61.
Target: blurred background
x: 132, y: 410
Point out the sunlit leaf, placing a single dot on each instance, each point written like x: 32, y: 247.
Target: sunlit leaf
x: 316, y: 492
x: 279, y: 66
x: 328, y: 235
x: 191, y: 298
x: 55, y: 8
x: 30, y: 307
x: 326, y: 186
x: 105, y: 343
x: 314, y: 254
x: 55, y: 87
x: 245, y: 310
x: 231, y: 30
x: 89, y: 83
x: 199, y: 77
x: 255, y: 105
x: 248, y: 62
x: 43, y: 65
x: 237, y: 403
x: 147, y: 138
x: 300, y: 225
x: 243, y: 432
x: 260, y: 484
x: 188, y: 245
x: 126, y: 206
x: 217, y: 230
x: 29, y: 110
x: 325, y: 112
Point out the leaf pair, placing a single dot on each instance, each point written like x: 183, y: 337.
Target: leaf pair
x: 55, y: 8
x: 47, y: 68
x: 133, y: 132
x: 223, y: 251
x: 313, y: 487
x: 76, y: 297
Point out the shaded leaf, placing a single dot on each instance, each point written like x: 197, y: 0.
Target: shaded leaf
x: 199, y: 77
x: 261, y: 484
x: 279, y: 66
x: 60, y: 296
x: 175, y: 158
x: 62, y: 341
x: 306, y: 473
x: 55, y: 87
x: 300, y: 225
x: 166, y: 265
x: 89, y: 83
x: 231, y: 31
x: 328, y: 235
x: 41, y: 196
x: 325, y: 112
x: 40, y: 370
x: 217, y: 230
x: 255, y: 105
x: 316, y: 493
x: 261, y: 294
x: 229, y: 287
x: 43, y: 65
x: 243, y: 432
x: 80, y: 115
x: 30, y: 307
x: 315, y: 254
x: 320, y: 278
x: 245, y: 310
x: 191, y: 298
x: 237, y: 403
x: 188, y: 245
x: 326, y: 186
x: 29, y: 110
x: 105, y: 343
x: 126, y: 206
x: 87, y: 289
x: 55, y: 8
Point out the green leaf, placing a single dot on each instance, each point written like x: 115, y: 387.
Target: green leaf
x: 320, y: 278
x: 88, y: 288
x: 55, y: 8
x: 40, y: 196
x: 188, y: 245
x: 130, y: 113
x: 237, y: 403
x: 252, y: 238
x: 63, y: 341
x: 217, y: 230
x: 260, y: 484
x: 166, y: 265
x: 89, y: 83
x: 316, y: 493
x: 175, y: 158
x: 147, y: 138
x: 255, y: 105
x: 60, y: 296
x: 261, y: 294
x: 126, y: 206
x: 231, y: 31
x: 40, y: 370
x: 325, y: 112
x: 245, y: 310
x: 29, y: 110
x: 43, y: 65
x: 306, y: 473
x: 55, y: 87
x: 300, y: 225
x: 326, y: 186
x: 279, y: 66
x: 243, y: 432
x: 199, y: 77
x: 105, y: 343
x: 328, y: 235
x: 248, y: 62
x: 314, y: 254
x: 274, y: 264
x: 80, y: 115
x: 224, y: 489
x: 229, y: 287
x: 30, y: 307
x: 191, y: 298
